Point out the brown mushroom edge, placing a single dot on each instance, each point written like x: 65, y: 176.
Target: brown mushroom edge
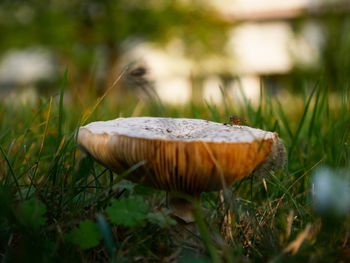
x: 189, y: 167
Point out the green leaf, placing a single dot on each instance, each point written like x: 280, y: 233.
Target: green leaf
x: 128, y: 212
x: 86, y: 236
x: 143, y: 190
x: 161, y: 218
x: 194, y: 259
x: 31, y: 213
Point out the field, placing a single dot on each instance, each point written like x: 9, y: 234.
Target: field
x: 58, y: 205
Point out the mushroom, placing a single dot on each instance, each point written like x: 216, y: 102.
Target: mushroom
x: 180, y: 155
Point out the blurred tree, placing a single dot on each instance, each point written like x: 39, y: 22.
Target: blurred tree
x: 334, y: 60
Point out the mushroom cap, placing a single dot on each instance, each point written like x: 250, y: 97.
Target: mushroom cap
x: 185, y: 155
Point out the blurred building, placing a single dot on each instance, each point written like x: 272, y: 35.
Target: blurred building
x: 22, y: 70
x: 262, y: 45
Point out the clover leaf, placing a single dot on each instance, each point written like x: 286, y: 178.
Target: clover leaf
x: 86, y: 236
x: 128, y: 212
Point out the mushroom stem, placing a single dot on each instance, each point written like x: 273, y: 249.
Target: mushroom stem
x: 182, y: 205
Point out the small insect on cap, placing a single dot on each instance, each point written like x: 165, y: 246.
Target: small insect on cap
x: 180, y: 155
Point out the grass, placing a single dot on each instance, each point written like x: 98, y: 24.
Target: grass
x: 58, y: 205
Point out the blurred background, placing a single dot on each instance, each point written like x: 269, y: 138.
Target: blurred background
x: 181, y: 51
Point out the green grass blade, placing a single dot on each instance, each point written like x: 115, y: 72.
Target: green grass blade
x: 88, y: 115
x: 284, y: 118
x: 315, y: 110
x: 61, y: 112
x: 224, y: 99
x: 302, y: 120
x: 194, y: 111
x: 214, y: 112
x: 11, y: 172
x: 43, y: 138
x: 107, y: 235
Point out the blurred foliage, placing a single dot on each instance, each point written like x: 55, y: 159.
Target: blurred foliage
x: 80, y: 31
x: 74, y: 28
x: 335, y: 52
x: 333, y: 64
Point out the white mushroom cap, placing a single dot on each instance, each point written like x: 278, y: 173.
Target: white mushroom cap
x: 187, y: 155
